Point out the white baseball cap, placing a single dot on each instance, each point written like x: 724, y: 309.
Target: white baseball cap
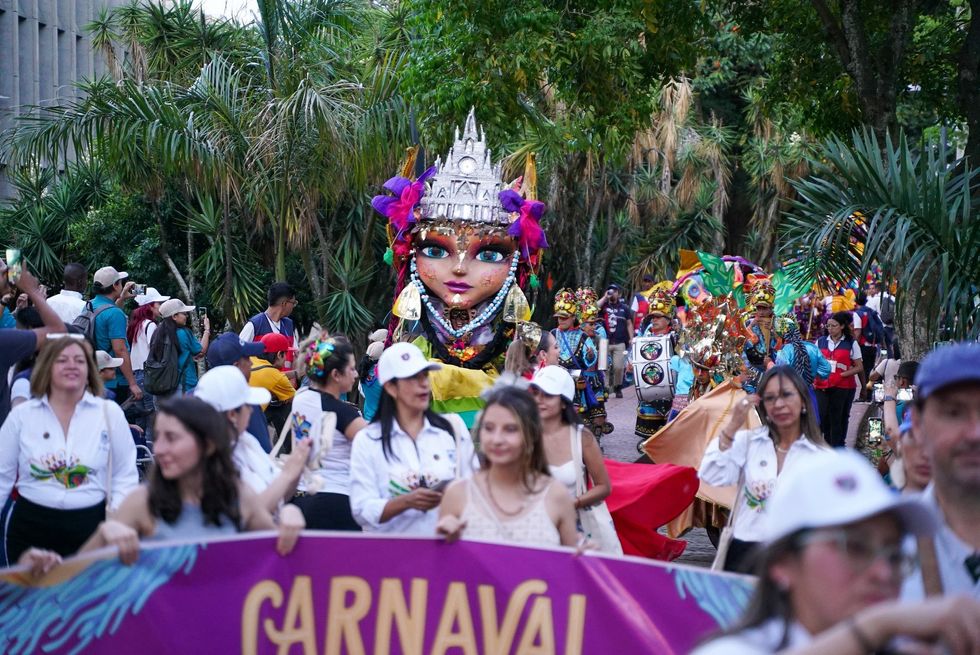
x: 174, y: 306
x: 225, y: 388
x: 403, y: 360
x: 105, y: 360
x: 838, y: 487
x: 151, y: 296
x: 555, y: 381
x: 107, y: 276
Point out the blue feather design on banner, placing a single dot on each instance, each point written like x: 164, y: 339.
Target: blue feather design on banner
x: 723, y: 597
x: 69, y: 616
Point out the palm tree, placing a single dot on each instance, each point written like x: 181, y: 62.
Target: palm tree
x: 913, y: 211
x: 280, y: 133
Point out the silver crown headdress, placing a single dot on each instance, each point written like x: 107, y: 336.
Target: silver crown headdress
x: 466, y: 185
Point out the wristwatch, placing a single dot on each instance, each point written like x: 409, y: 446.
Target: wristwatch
x: 889, y: 398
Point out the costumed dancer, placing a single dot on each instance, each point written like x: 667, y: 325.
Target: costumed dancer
x: 651, y: 415
x: 531, y: 350
x: 462, y: 251
x: 568, y: 334
x: 763, y: 342
x: 591, y: 393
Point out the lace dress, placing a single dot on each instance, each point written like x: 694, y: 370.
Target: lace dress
x: 533, y: 527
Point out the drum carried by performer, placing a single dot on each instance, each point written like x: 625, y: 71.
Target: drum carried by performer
x: 651, y: 354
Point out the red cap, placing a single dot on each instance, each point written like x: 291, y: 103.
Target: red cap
x: 276, y: 343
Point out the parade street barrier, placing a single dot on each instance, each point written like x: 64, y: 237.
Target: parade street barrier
x: 338, y: 593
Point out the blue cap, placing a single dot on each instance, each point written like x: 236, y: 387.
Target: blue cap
x: 228, y: 348
x: 953, y: 364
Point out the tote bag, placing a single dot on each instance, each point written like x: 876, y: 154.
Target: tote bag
x: 596, y: 521
x: 728, y: 532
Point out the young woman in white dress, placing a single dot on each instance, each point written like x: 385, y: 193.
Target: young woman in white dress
x: 512, y: 498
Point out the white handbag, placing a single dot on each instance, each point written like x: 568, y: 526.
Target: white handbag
x: 596, y: 521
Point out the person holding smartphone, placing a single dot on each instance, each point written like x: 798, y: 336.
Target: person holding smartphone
x: 400, y: 461
x: 16, y: 345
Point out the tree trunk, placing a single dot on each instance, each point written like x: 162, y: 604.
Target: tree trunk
x: 968, y: 84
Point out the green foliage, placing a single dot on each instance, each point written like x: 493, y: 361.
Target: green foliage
x: 249, y: 281
x: 913, y: 211
x: 39, y: 220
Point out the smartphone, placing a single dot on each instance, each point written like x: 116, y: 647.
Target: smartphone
x: 874, y: 430
x: 15, y: 265
x: 440, y: 486
x: 201, y: 312
x: 139, y: 289
x: 904, y: 395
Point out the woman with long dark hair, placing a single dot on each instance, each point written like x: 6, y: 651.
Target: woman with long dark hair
x: 831, y: 571
x: 403, y: 460
x: 139, y: 332
x: 836, y: 393
x: 68, y: 450
x: 513, y: 498
x: 194, y: 490
x: 756, y: 458
x: 553, y: 391
x: 318, y: 412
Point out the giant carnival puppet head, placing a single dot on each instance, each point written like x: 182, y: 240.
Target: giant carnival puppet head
x: 462, y: 246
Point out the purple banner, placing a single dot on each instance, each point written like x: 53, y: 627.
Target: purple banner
x: 361, y: 594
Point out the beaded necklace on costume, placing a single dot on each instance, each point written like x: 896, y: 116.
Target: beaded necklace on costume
x: 483, y: 318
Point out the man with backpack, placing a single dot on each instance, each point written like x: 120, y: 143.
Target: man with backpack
x: 871, y: 335
x: 106, y: 328
x: 884, y: 303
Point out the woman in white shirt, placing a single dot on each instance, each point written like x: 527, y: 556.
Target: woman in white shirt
x: 401, y: 461
x: 225, y: 389
x: 554, y: 392
x: 69, y: 452
x: 332, y: 372
x: 757, y: 457
x: 512, y: 499
x: 832, y: 568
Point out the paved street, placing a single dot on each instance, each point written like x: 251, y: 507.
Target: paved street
x: 621, y: 446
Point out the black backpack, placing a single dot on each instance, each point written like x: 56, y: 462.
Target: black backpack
x: 887, y: 309
x: 84, y: 323
x: 162, y: 376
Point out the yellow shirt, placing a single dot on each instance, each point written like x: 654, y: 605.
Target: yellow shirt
x: 267, y: 376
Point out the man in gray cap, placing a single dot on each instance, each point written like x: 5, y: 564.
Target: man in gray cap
x: 946, y: 416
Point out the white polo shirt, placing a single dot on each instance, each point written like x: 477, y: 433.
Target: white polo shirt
x: 67, y: 471
x: 761, y: 640
x: 951, y: 554
x: 375, y: 479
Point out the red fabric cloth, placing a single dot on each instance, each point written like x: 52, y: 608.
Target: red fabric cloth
x: 645, y: 497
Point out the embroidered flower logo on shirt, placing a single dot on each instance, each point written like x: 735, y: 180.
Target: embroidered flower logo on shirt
x: 59, y: 468
x: 411, y: 481
x: 757, y: 492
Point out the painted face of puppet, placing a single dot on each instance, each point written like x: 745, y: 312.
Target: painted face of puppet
x: 461, y: 265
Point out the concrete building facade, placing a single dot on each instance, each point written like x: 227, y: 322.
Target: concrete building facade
x: 44, y: 49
